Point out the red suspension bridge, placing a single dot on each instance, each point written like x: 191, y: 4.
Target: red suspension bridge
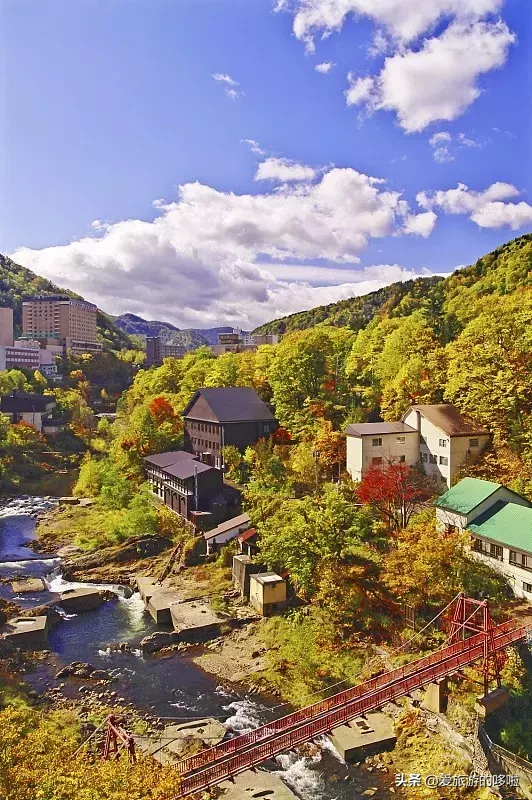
x: 473, y: 637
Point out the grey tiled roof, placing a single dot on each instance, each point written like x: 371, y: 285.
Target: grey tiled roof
x: 232, y: 404
x: 378, y: 428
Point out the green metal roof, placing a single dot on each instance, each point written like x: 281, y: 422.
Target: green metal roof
x: 506, y: 523
x: 467, y: 495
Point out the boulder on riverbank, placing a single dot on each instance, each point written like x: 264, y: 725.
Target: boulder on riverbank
x: 156, y: 641
x: 81, y: 669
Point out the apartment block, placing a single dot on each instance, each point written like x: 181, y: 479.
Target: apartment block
x: 6, y: 327
x: 65, y: 320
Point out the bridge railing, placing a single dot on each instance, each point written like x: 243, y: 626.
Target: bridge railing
x: 451, y: 659
x: 282, y: 724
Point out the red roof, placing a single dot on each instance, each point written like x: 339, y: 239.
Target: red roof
x: 247, y: 535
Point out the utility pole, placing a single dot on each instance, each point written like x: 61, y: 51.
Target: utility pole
x: 196, y: 489
x: 316, y: 454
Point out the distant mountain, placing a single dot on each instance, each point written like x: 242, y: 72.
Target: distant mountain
x: 17, y: 282
x: 170, y: 334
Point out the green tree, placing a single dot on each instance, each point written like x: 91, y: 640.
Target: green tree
x: 304, y: 534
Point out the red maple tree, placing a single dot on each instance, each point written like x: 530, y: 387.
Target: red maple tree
x: 395, y: 492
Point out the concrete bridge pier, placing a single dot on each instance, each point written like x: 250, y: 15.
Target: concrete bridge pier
x: 436, y: 697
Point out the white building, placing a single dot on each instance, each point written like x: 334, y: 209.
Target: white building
x: 500, y: 523
x: 376, y: 444
x: 437, y: 437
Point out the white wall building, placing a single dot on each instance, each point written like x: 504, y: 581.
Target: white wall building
x: 438, y: 437
x: 448, y: 440
x: 378, y: 444
x: 500, y: 524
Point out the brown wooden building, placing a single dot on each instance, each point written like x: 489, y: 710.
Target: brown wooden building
x: 186, y: 485
x: 217, y: 417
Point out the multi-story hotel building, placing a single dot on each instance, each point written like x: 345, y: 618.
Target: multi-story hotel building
x: 62, y: 319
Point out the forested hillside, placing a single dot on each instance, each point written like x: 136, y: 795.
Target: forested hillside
x: 502, y: 271
x: 465, y: 340
x: 17, y: 282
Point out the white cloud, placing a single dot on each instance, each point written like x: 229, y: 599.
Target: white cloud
x: 379, y: 44
x: 254, y: 146
x: 324, y: 67
x: 201, y: 260
x: 404, y: 20
x: 424, y: 80
x: 466, y: 141
x: 420, y: 224
x: 487, y: 209
x: 438, y: 81
x: 231, y: 86
x: 360, y: 89
x: 440, y: 145
x: 282, y: 170
x: 443, y: 145
x: 222, y: 77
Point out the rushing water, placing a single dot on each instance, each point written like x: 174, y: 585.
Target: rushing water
x: 166, y: 686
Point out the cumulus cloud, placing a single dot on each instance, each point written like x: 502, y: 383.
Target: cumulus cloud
x: 424, y: 80
x: 440, y: 80
x: 201, y: 260
x: 231, y: 86
x: 420, y: 224
x: 404, y: 20
x: 282, y: 170
x: 487, y: 209
x: 324, y: 67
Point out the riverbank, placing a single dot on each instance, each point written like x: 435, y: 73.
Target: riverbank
x: 224, y: 679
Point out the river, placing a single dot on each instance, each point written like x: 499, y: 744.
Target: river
x: 165, y: 686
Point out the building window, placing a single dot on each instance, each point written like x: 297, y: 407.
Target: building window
x: 433, y: 459
x: 442, y: 442
x: 520, y: 560
x: 496, y: 551
x: 402, y: 459
x: 423, y: 457
x: 527, y: 587
x: 401, y: 439
x: 444, y: 461
x: 473, y: 443
x: 376, y: 461
x: 376, y: 442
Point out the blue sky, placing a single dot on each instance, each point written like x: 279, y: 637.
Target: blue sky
x: 110, y: 105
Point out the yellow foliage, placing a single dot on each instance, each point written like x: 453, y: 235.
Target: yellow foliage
x: 37, y: 762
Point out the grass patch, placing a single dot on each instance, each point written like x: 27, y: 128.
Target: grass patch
x: 88, y: 527
x: 303, y: 661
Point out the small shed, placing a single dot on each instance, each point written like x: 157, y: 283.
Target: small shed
x: 267, y: 592
x: 243, y: 568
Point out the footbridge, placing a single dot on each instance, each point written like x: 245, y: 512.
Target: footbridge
x: 473, y: 637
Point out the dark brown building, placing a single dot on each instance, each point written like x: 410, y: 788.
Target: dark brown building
x: 157, y: 351
x: 186, y: 485
x: 217, y: 417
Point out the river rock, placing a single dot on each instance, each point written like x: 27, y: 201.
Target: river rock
x: 140, y: 547
x: 156, y: 641
x: 81, y: 669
